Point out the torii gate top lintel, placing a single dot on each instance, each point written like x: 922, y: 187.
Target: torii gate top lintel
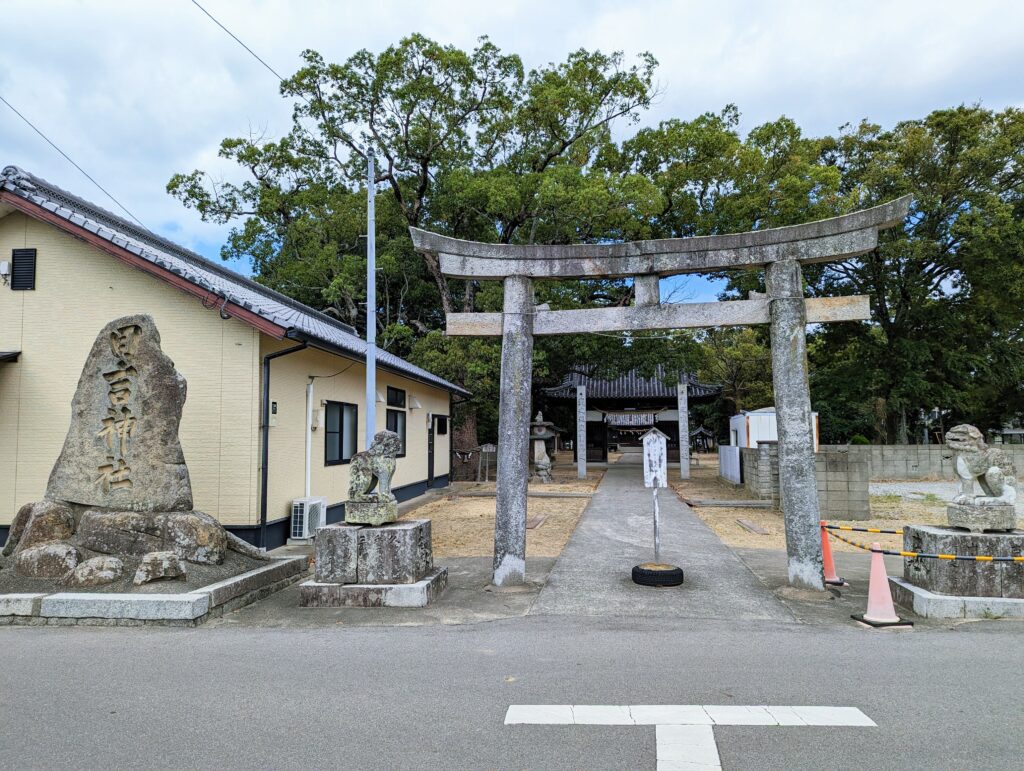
x: 830, y: 239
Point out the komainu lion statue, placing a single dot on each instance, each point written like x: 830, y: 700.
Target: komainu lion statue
x: 374, y: 466
x: 975, y: 461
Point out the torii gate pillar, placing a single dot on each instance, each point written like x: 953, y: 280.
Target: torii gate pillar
x: 798, y: 488
x: 514, y: 432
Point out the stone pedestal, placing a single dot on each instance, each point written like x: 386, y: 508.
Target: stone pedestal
x: 366, y: 567
x: 375, y: 512
x: 981, y: 517
x: 964, y: 578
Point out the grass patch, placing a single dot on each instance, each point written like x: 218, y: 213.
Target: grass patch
x: 886, y: 499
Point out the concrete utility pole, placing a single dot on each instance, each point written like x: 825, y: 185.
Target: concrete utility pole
x: 798, y: 487
x: 371, y: 301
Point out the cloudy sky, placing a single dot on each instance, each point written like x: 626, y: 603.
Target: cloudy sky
x: 135, y: 91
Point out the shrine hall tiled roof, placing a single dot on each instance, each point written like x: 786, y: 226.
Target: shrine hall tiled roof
x: 628, y: 386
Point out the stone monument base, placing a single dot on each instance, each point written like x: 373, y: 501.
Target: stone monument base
x: 964, y: 578
x: 978, y: 517
x: 313, y: 594
x: 370, y: 567
x: 931, y: 605
x: 371, y: 512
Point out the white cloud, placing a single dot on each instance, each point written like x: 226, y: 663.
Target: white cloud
x: 136, y: 91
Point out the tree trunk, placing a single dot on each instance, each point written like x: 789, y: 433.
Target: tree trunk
x: 434, y: 268
x: 901, y: 428
x: 464, y: 439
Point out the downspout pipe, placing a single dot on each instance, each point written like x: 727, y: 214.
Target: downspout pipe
x: 264, y: 465
x: 309, y: 435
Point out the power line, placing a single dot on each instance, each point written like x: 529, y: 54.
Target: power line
x: 68, y: 159
x: 237, y: 40
x: 327, y: 127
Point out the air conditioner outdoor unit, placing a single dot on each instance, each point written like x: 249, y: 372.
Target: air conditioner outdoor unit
x: 307, y: 515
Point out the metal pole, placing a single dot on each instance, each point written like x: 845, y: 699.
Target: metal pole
x: 657, y: 529
x: 371, y: 302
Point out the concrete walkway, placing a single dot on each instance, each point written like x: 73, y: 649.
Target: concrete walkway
x: 592, y: 577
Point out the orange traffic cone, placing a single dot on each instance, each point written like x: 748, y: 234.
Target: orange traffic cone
x: 831, y: 579
x: 880, y: 612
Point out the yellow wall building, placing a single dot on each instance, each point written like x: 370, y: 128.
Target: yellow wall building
x: 68, y: 267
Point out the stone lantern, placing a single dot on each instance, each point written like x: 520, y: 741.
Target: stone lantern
x: 540, y: 432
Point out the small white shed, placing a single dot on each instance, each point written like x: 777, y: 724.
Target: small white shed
x: 749, y: 428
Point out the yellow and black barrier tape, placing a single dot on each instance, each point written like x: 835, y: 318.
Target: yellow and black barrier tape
x: 827, y: 526
x: 923, y: 555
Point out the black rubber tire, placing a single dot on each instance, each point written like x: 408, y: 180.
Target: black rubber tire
x: 660, y: 575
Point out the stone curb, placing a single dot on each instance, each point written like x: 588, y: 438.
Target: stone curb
x: 140, y: 606
x: 930, y: 605
x: 281, y: 568
x: 20, y: 604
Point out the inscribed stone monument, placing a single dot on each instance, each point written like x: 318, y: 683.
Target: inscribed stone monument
x: 120, y: 490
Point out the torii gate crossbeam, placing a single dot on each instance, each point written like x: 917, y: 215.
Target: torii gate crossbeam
x: 780, y: 251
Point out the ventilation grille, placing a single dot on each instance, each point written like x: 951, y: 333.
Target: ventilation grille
x: 23, y: 269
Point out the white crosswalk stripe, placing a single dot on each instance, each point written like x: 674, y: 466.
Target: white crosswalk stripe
x: 684, y: 733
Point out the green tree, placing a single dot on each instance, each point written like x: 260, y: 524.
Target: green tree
x: 468, y: 144
x: 947, y: 290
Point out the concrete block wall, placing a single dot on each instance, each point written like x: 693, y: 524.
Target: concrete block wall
x: 761, y: 470
x: 914, y: 461
x: 842, y: 483
x: 842, y: 478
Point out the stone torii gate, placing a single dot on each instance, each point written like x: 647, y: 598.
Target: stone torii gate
x: 780, y: 251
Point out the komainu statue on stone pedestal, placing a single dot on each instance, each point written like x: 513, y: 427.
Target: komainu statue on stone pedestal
x: 976, y: 462
x: 373, y: 467
x: 991, y: 469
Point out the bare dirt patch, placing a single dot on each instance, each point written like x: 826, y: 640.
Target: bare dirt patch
x: 464, y: 527
x: 704, y: 481
x: 888, y: 512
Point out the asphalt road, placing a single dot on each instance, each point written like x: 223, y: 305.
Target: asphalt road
x: 436, y: 696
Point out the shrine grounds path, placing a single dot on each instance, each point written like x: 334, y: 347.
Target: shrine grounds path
x: 616, y: 532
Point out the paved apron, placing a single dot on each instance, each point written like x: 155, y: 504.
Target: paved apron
x: 592, y: 577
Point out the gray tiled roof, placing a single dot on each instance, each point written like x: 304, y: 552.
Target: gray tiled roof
x: 627, y: 386
x: 264, y: 302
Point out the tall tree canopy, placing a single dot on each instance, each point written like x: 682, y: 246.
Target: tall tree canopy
x: 471, y: 144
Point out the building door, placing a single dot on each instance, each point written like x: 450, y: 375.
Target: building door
x: 438, y: 427
x: 597, y: 442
